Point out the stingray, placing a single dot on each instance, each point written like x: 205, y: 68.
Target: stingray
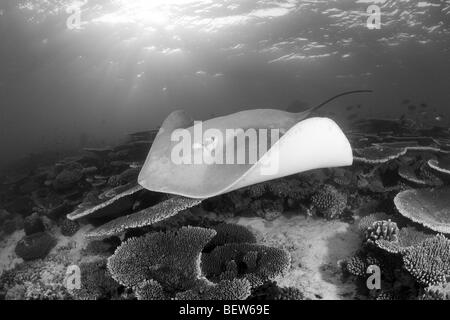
x: 216, y: 162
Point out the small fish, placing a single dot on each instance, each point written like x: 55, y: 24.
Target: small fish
x: 352, y: 116
x: 411, y: 107
x: 439, y: 117
x: 349, y: 108
x: 423, y: 105
x: 406, y: 101
x: 358, y: 106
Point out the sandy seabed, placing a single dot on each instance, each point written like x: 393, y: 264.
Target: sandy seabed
x: 316, y: 246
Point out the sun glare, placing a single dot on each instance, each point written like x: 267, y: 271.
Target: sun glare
x: 157, y: 13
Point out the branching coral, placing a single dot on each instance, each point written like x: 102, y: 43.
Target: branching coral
x: 171, y: 258
x: 382, y: 230
x: 367, y: 221
x: 150, y: 290
x: 439, y: 292
x: 429, y: 262
x: 329, y: 202
x: 96, y: 282
x: 358, y: 264
x: 42, y: 279
x: 270, y: 262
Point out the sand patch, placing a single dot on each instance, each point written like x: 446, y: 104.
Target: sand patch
x: 8, y: 258
x: 316, y: 246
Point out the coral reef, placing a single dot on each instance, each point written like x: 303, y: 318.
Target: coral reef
x: 441, y: 165
x: 235, y: 289
x: 87, y: 210
x: 150, y: 290
x: 267, y: 209
x: 35, y: 246
x: 33, y: 224
x: 230, y: 233
x: 429, y: 262
x: 271, y: 291
x: 96, y: 282
x: 406, y: 238
x: 255, y: 262
x: 91, y: 208
x: 429, y: 207
x: 329, y: 202
x: 145, y: 217
x: 382, y: 230
x: 438, y: 292
x: 172, y: 258
x: 367, y: 221
x: 376, y: 154
x: 69, y: 227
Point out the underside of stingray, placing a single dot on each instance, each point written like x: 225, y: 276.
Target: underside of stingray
x: 202, y: 160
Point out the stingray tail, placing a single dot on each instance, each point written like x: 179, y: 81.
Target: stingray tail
x: 335, y: 97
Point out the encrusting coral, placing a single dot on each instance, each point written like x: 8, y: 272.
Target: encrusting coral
x: 172, y: 258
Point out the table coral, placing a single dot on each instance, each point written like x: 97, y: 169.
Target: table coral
x: 230, y: 233
x: 145, y: 217
x: 429, y: 207
x: 171, y: 258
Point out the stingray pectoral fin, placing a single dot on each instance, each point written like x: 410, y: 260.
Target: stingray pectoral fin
x: 311, y: 144
x: 158, y: 159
